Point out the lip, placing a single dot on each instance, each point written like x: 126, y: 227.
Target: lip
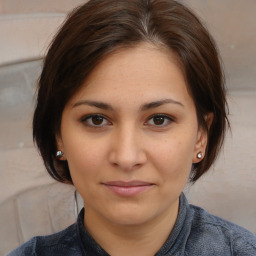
x: 128, y: 188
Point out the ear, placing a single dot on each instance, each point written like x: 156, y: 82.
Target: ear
x: 60, y: 147
x: 202, y: 139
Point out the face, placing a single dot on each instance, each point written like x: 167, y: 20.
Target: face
x: 130, y: 136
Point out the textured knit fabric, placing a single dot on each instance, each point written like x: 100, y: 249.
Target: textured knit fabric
x: 196, y: 233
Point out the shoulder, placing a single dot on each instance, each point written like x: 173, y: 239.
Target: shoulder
x: 210, y: 229
x: 62, y: 243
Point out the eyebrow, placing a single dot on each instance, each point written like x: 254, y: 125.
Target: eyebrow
x: 144, y: 107
x: 159, y: 103
x: 96, y: 104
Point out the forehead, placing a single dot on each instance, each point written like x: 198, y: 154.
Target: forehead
x: 144, y: 72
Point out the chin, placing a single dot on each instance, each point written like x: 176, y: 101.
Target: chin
x: 129, y: 220
x: 131, y: 217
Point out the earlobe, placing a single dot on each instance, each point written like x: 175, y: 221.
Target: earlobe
x: 202, y: 139
x: 200, y: 146
x: 60, y: 149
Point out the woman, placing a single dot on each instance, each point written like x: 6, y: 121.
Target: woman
x: 131, y: 106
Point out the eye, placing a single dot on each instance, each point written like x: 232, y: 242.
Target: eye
x: 95, y: 121
x: 159, y: 120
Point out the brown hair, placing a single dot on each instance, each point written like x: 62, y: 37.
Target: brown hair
x: 100, y: 27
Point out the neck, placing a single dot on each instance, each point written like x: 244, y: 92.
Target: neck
x: 143, y: 239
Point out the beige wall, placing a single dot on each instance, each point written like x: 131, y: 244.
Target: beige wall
x: 26, y: 28
x: 37, y: 6
x: 229, y: 189
x: 233, y: 24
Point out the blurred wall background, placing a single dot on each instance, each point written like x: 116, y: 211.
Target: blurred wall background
x: 32, y: 203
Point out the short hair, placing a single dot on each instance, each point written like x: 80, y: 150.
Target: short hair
x: 98, y: 28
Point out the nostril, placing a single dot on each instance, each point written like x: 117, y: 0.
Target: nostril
x: 128, y: 160
x: 127, y: 151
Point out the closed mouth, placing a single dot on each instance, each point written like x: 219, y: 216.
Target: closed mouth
x: 128, y: 188
x: 133, y: 183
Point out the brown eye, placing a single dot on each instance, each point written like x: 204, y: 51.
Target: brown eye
x: 160, y: 120
x: 95, y: 121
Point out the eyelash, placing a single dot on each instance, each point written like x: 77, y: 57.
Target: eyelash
x: 86, y: 122
x: 166, y: 118
x: 95, y: 126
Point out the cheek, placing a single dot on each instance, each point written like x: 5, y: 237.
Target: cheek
x: 173, y: 157
x: 83, y: 167
x: 85, y: 161
x: 83, y: 158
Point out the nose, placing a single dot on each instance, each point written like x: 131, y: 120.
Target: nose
x: 127, y: 151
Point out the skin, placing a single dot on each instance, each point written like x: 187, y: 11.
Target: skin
x: 128, y: 143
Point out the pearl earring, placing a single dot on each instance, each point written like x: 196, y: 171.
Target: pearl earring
x: 200, y: 155
x: 59, y: 154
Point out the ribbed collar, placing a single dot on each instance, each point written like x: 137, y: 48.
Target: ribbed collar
x: 174, y: 245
